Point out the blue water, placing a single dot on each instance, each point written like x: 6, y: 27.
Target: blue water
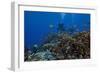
x: 38, y: 24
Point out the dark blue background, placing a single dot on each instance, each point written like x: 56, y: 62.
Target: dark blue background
x: 36, y: 24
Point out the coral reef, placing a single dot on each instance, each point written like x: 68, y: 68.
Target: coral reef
x: 60, y: 46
